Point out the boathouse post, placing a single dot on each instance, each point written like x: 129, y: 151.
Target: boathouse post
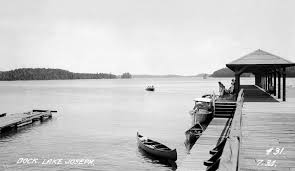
x: 267, y: 81
x: 275, y: 83
x: 284, y: 84
x: 271, y: 79
x: 237, y: 84
x: 258, y: 79
x: 279, y: 83
x: 263, y: 81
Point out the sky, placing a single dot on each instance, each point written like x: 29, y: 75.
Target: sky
x: 184, y: 37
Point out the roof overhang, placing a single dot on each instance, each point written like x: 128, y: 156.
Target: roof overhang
x: 257, y: 68
x: 259, y: 61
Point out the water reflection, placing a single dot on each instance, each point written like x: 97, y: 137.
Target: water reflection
x: 155, y: 160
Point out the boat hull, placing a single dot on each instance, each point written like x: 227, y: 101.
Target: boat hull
x: 170, y: 155
x: 202, y: 117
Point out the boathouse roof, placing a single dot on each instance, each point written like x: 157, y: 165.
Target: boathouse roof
x: 259, y: 60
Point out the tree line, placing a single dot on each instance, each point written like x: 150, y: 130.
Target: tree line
x: 49, y: 74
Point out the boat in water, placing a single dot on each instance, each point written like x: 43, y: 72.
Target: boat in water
x: 192, y: 135
x: 155, y: 148
x: 203, y: 110
x: 150, y: 88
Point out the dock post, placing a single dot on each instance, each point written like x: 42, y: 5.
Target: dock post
x: 41, y: 118
x: 275, y: 83
x: 279, y: 84
x: 271, y: 78
x: 237, y: 84
x: 50, y: 115
x: 284, y: 84
x: 266, y: 82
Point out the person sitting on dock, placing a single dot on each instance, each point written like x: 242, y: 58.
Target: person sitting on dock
x: 223, y: 91
x: 231, y: 89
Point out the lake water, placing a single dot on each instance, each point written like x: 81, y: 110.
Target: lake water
x: 98, y: 120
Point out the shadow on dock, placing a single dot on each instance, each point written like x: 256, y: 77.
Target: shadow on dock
x: 155, y: 160
x: 254, y: 94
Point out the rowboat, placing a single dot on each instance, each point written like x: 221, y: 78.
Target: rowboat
x: 155, y: 148
x: 150, y: 88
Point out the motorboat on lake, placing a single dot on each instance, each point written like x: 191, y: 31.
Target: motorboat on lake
x: 202, y: 110
x: 150, y: 88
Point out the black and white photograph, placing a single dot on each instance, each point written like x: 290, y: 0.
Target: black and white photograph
x: 137, y: 85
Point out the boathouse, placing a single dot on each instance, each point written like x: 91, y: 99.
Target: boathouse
x: 268, y: 69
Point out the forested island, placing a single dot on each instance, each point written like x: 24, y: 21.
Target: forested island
x: 126, y: 75
x: 49, y: 74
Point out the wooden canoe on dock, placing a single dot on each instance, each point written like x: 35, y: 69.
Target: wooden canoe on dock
x: 155, y: 148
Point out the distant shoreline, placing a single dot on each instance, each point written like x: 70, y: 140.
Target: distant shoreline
x: 60, y: 74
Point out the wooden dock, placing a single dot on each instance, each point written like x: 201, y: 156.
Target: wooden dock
x: 13, y: 121
x: 261, y: 136
x: 200, y: 151
x: 268, y: 135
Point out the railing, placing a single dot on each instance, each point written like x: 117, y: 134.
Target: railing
x: 229, y: 161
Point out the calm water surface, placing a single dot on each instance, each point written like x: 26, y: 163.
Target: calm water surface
x: 98, y: 120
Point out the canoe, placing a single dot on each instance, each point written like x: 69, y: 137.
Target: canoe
x: 197, y: 129
x: 192, y: 136
x: 155, y: 148
x: 194, y: 132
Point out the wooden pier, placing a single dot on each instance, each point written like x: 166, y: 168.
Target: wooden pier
x: 208, y: 140
x: 268, y: 135
x: 13, y: 121
x: 261, y: 136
